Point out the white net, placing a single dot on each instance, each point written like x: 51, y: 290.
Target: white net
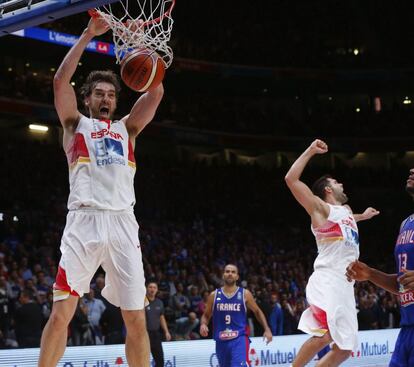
x: 139, y: 24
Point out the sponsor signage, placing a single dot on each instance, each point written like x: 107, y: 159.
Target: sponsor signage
x: 374, y: 349
x: 64, y: 39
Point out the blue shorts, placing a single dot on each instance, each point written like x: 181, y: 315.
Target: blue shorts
x: 233, y: 353
x: 403, y: 355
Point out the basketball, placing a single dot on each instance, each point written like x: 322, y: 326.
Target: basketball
x: 142, y: 70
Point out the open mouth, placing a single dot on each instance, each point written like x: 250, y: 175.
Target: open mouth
x: 104, y: 111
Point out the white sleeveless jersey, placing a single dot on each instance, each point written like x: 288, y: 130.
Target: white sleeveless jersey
x: 101, y: 166
x: 337, y: 241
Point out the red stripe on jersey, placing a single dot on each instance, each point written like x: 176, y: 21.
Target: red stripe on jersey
x: 78, y: 148
x: 131, y: 156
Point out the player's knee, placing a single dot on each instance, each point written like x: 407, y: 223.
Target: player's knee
x: 59, y: 321
x: 134, y: 322
x: 322, y: 341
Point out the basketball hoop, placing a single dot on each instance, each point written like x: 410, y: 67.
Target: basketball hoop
x: 138, y: 24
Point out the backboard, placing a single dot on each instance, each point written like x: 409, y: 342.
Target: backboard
x: 20, y: 14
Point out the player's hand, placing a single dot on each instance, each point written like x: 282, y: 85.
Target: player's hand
x: 167, y: 336
x: 370, y: 212
x: 357, y: 270
x: 407, y: 280
x: 267, y: 336
x: 204, y: 330
x: 97, y: 25
x: 133, y: 25
x: 318, y: 147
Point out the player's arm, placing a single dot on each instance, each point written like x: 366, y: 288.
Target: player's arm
x: 367, y: 214
x: 258, y: 313
x: 205, y: 319
x: 302, y: 193
x: 143, y: 112
x: 360, y: 271
x: 65, y: 97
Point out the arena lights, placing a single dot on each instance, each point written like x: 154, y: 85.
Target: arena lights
x: 356, y: 52
x: 38, y: 128
x: 357, y: 109
x: 407, y: 100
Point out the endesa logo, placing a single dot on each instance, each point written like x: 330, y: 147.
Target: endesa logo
x: 105, y: 132
x: 109, y: 151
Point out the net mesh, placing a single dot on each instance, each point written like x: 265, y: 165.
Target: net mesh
x: 139, y: 24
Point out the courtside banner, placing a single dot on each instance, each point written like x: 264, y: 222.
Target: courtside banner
x: 375, y: 349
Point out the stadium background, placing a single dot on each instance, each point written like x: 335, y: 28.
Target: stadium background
x: 250, y: 88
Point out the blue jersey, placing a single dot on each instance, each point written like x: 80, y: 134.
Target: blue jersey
x: 404, y: 257
x: 229, y: 315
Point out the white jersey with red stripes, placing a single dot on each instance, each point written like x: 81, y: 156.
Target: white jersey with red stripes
x: 337, y: 241
x: 101, y: 166
x: 328, y: 290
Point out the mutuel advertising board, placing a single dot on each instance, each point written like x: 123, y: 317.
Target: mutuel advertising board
x: 374, y: 349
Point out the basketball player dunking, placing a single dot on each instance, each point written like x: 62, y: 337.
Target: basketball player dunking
x: 101, y: 228
x: 332, y: 312
x: 400, y: 283
x: 229, y: 305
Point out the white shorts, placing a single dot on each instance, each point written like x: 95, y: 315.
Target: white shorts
x: 94, y: 238
x: 334, y: 295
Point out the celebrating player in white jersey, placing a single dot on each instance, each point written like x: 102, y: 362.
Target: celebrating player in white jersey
x: 332, y: 312
x: 101, y: 228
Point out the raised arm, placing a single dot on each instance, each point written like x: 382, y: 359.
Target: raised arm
x: 65, y: 97
x: 205, y: 319
x: 258, y: 313
x: 302, y: 193
x: 143, y: 112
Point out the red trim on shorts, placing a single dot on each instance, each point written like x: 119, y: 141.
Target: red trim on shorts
x: 320, y: 316
x: 61, y: 282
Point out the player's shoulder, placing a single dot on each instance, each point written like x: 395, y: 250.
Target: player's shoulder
x: 246, y: 292
x: 346, y: 206
x: 408, y: 220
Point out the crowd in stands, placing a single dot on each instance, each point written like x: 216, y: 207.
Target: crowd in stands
x: 194, y: 219
x: 285, y: 34
x: 249, y: 114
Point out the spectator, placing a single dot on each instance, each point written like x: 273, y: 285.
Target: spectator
x: 186, y: 326
x: 276, y: 317
x: 5, y: 303
x: 194, y: 298
x: 180, y: 302
x: 28, y: 321
x: 367, y: 319
x: 112, y: 325
x: 80, y: 328
x: 202, y: 305
x: 95, y: 310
